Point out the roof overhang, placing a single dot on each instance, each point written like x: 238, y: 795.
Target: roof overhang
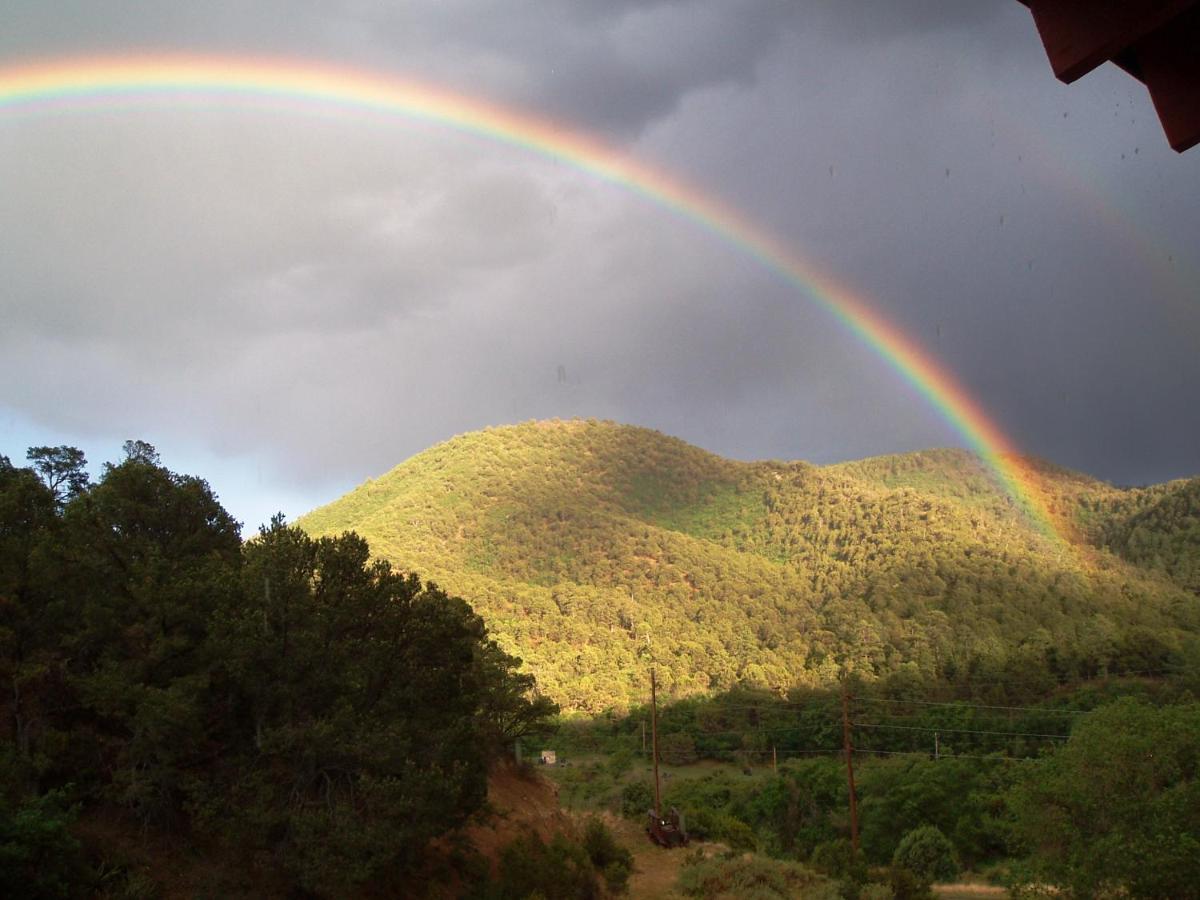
x: 1155, y: 41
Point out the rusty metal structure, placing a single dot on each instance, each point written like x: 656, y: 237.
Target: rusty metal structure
x: 669, y: 830
x: 1155, y: 41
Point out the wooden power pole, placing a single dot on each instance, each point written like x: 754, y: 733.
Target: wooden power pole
x: 849, y: 767
x: 654, y: 739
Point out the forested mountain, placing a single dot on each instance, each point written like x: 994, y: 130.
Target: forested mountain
x: 1162, y: 532
x: 589, y: 546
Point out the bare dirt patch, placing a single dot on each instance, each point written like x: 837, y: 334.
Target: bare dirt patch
x: 520, y: 802
x: 969, y: 891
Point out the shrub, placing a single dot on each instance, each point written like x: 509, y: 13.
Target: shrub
x: 906, y: 885
x: 636, y: 798
x: 677, y: 749
x: 613, y: 861
x: 834, y: 858
x: 619, y: 762
x: 559, y: 870
x: 928, y: 854
x: 753, y: 878
x: 736, y: 833
x: 38, y: 855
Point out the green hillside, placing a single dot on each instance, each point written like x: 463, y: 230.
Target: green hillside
x: 587, y: 546
x: 1161, y: 532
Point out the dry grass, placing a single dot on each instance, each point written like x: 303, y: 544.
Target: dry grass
x: 655, y: 869
x: 968, y: 891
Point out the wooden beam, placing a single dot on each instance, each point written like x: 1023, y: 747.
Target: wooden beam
x: 1168, y: 62
x: 1080, y: 35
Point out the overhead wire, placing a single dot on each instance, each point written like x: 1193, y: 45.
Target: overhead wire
x: 995, y: 757
x: 1060, y: 737
x: 960, y: 704
x: 1165, y: 670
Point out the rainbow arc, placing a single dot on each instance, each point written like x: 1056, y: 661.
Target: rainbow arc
x: 72, y: 83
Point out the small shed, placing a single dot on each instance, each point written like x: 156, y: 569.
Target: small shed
x: 549, y: 758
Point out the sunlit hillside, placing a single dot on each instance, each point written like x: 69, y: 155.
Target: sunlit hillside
x: 589, y: 547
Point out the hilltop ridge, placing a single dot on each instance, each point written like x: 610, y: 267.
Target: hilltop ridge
x: 588, y: 545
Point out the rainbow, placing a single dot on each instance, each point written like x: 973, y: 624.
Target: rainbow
x: 72, y: 82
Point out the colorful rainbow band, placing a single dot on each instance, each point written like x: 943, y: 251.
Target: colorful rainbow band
x: 70, y: 81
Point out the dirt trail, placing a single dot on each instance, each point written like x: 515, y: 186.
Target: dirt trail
x: 655, y: 870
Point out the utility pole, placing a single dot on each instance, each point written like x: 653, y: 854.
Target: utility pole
x: 849, y: 767
x: 654, y: 734
x: 937, y: 750
x: 774, y: 761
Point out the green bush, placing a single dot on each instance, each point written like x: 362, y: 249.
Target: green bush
x: 712, y: 825
x: 636, y: 798
x: 928, y: 854
x: 907, y: 885
x: 736, y: 833
x: 560, y: 870
x: 1118, y: 806
x: 38, y: 855
x: 677, y: 749
x: 834, y: 858
x: 613, y: 861
x: 753, y: 878
x: 619, y: 762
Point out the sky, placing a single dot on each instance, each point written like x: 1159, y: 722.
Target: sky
x: 288, y: 299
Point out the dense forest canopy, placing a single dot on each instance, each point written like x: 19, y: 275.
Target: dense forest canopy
x: 289, y: 703
x: 591, y: 547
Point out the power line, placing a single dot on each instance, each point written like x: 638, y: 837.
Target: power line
x: 1164, y: 669
x: 746, y: 731
x: 921, y: 753
x: 708, y: 753
x: 950, y: 683
x: 1060, y: 737
x: 833, y: 753
x: 964, y: 704
x: 972, y: 719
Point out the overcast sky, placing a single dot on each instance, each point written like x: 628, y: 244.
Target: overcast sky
x: 287, y: 300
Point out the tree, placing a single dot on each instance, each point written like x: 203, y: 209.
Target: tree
x: 901, y: 794
x: 28, y: 631
x: 63, y: 469
x: 1117, y: 810
x: 360, y: 710
x: 290, y: 696
x: 140, y: 451
x: 511, y: 708
x: 928, y: 854
x: 612, y: 860
x: 39, y: 858
x: 146, y: 556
